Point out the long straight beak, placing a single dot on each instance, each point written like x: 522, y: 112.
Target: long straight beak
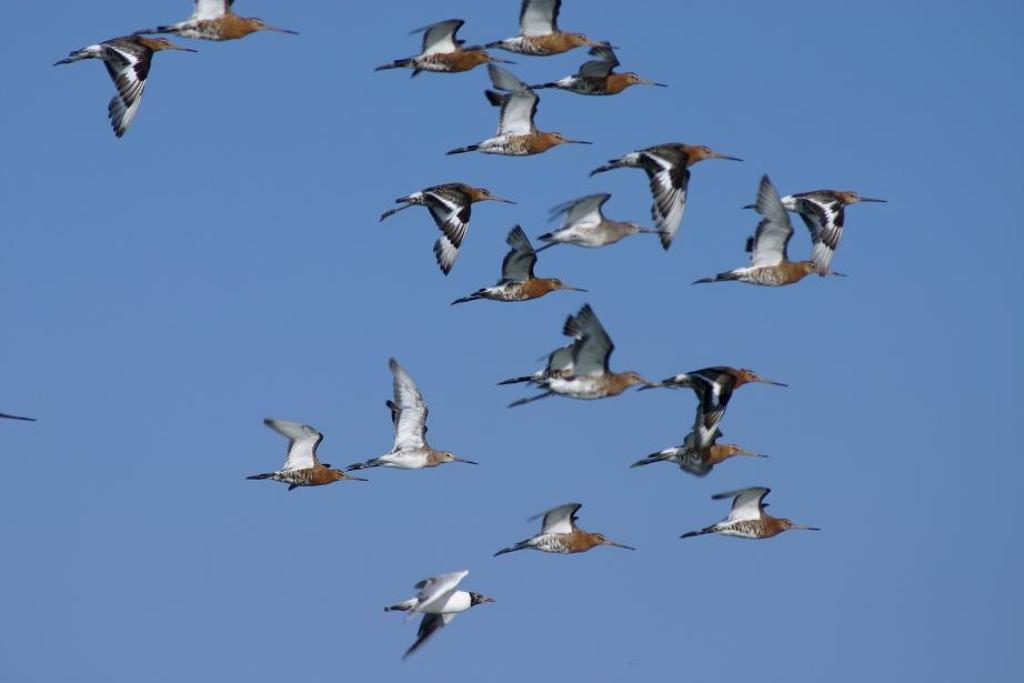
x: 574, y: 289
x: 280, y: 30
x: 744, y: 451
x: 619, y: 545
x: 468, y: 462
x: 716, y: 155
x: 768, y: 381
x: 651, y: 385
x: 172, y: 46
x: 644, y: 81
x: 348, y: 476
x: 879, y: 201
x: 577, y: 142
x: 501, y: 199
x: 805, y: 527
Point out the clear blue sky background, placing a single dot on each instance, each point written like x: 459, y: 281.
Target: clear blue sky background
x: 223, y: 262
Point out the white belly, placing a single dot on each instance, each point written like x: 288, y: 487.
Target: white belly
x: 586, y: 388
x: 458, y: 601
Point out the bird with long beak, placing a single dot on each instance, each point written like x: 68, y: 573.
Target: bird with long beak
x: 713, y: 387
x: 450, y: 205
x: 823, y: 212
x: 559, y: 534
x: 747, y: 518
x: 442, y: 52
x: 768, y: 247
x: 517, y: 135
x: 591, y: 376
x: 438, y: 600
x: 697, y: 461
x: 539, y: 34
x: 518, y: 283
x: 409, y: 416
x: 127, y: 59
x: 668, y: 168
x: 598, y: 76
x: 302, y: 467
x: 214, y: 20
x: 586, y: 226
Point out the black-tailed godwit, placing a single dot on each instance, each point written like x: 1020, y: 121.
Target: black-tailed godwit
x: 442, y: 52
x: 127, y: 59
x: 538, y: 31
x: 747, y: 518
x: 517, y: 135
x: 559, y: 534
x: 694, y: 460
x: 449, y: 205
x: 668, y: 168
x: 302, y: 467
x: 585, y: 225
x: 598, y: 76
x: 518, y: 283
x: 215, y: 20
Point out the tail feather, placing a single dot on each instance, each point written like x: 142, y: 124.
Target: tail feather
x: 721, y: 277
x: 611, y: 165
x: 397, y: 64
x: 475, y: 296
x: 544, y: 85
x: 362, y: 465
x: 17, y: 417
x: 705, y: 530
x: 522, y: 545
x: 650, y: 460
x: 403, y: 606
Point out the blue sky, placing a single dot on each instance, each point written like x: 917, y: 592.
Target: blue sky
x: 223, y: 263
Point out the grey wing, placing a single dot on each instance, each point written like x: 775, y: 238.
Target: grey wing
x: 440, y: 37
x: 747, y: 503
x: 302, y: 443
x: 518, y: 263
x: 559, y: 520
x: 437, y: 588
x: 592, y: 352
x: 582, y: 211
x: 408, y: 410
x: 429, y: 625
x: 539, y: 17
x: 602, y: 66
x: 773, y: 233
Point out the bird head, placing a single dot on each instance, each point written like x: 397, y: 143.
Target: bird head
x: 700, y: 153
x: 478, y: 598
x: 257, y: 24
x: 451, y: 457
x: 556, y: 284
x: 745, y: 376
x: 559, y: 139
x: 788, y: 524
x: 157, y: 44
x: 854, y: 198
x: 633, y: 78
x: 483, y: 194
x: 601, y: 539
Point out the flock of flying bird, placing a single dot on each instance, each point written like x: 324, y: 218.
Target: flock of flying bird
x: 579, y: 369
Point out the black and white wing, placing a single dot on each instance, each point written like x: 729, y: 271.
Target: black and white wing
x: 559, y: 520
x: 591, y: 353
x: 302, y: 443
x: 747, y: 503
x: 451, y: 215
x: 539, y: 17
x: 669, y: 181
x: 768, y: 245
x: 128, y: 67
x: 408, y: 411
x: 437, y: 589
x: 824, y: 217
x: 518, y: 263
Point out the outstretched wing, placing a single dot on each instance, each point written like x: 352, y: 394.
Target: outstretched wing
x: 452, y: 219
x: 210, y: 9
x: 747, y: 503
x: 669, y: 180
x: 408, y: 411
x: 592, y: 352
x: 302, y: 443
x: 559, y: 520
x: 128, y: 68
x: 440, y: 37
x: 768, y: 245
x: 539, y: 17
x: 518, y: 263
x: 429, y: 625
x: 437, y: 589
x: 602, y: 66
x: 824, y: 218
x: 582, y: 212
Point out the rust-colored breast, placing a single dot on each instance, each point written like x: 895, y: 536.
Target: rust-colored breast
x: 232, y: 27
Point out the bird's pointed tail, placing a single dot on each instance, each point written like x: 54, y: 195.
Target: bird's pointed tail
x: 265, y: 475
x: 705, y: 530
x: 397, y: 64
x: 721, y: 277
x: 463, y: 150
x: 522, y: 545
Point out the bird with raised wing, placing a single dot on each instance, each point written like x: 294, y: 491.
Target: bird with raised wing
x: 302, y: 467
x: 668, y: 169
x: 585, y: 225
x: 591, y: 376
x: 442, y: 52
x: 438, y: 600
x: 559, y: 534
x: 409, y: 416
x: 517, y: 135
x: 598, y: 76
x: 449, y: 205
x: 559, y: 363
x: 16, y: 417
x: 518, y: 283
x: 539, y: 34
x: 713, y: 387
x: 215, y: 20
x: 747, y: 518
x: 697, y: 461
x: 127, y: 59
x: 823, y: 212
x: 769, y: 262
